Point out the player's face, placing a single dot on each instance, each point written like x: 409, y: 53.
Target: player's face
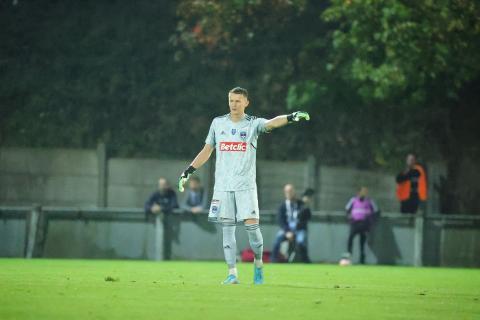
x: 237, y: 103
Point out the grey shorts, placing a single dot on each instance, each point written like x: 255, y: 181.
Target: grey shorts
x: 234, y: 206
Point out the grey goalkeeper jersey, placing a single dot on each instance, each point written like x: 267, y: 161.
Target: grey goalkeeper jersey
x: 235, y: 145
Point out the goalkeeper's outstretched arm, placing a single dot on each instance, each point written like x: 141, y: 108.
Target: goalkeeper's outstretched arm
x: 280, y: 121
x: 199, y: 161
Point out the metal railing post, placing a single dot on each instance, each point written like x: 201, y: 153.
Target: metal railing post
x: 418, y: 239
x: 32, y: 229
x: 158, y: 245
x: 310, y: 180
x: 102, y: 175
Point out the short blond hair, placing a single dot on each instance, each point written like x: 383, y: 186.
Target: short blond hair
x: 240, y: 90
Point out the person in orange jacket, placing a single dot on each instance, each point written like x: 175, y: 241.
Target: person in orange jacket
x: 411, y: 186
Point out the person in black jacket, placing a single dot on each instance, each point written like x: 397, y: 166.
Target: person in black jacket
x: 293, y: 216
x: 163, y: 200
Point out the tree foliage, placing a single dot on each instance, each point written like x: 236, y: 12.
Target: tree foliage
x: 380, y: 77
x: 423, y: 56
x: 75, y: 73
x: 405, y: 50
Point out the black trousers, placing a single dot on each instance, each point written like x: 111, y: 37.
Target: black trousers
x: 411, y: 204
x: 361, y: 228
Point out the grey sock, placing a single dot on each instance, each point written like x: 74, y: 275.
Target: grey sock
x: 256, y: 241
x: 229, y: 245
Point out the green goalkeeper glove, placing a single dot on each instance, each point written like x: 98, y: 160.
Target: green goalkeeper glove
x: 297, y: 116
x: 184, y: 178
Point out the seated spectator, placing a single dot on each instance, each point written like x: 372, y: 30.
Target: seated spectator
x: 293, y: 216
x: 163, y: 200
x: 361, y: 211
x: 195, y: 200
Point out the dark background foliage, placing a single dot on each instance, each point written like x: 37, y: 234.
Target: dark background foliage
x: 380, y: 79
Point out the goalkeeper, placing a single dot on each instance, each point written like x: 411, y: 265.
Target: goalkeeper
x: 234, y: 137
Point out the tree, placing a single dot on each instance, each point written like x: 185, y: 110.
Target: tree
x: 75, y: 73
x: 423, y: 57
x: 381, y: 78
x: 385, y: 77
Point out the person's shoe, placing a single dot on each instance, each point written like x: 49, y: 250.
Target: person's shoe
x: 231, y: 279
x: 257, y: 275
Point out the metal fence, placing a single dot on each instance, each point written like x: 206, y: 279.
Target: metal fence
x: 65, y: 232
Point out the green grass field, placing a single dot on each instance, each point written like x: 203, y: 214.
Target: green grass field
x: 77, y: 289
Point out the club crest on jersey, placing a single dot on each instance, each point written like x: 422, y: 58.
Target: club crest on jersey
x: 243, y: 135
x: 234, y: 131
x: 214, y: 207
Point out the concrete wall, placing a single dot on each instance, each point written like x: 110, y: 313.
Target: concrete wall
x: 391, y: 242
x: 131, y: 181
x: 459, y: 244
x: 60, y: 177
x: 99, y: 239
x: 273, y: 175
x: 337, y: 184
x: 12, y: 237
x: 64, y: 177
x: 447, y: 242
x: 193, y: 238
